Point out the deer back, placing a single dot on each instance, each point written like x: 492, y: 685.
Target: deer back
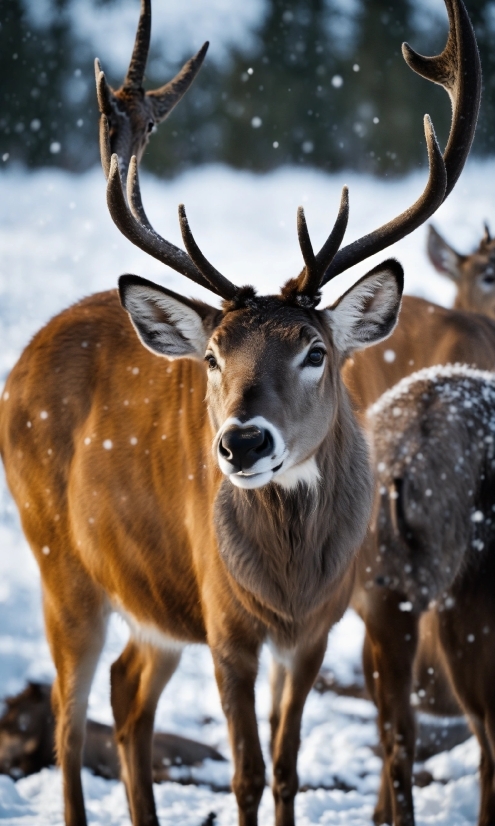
x: 434, y: 441
x: 426, y: 335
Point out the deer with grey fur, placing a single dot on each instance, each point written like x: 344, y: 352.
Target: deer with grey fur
x: 430, y: 555
x: 200, y: 469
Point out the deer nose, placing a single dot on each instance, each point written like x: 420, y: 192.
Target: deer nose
x: 243, y: 446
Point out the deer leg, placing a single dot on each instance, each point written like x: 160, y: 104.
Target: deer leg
x: 137, y: 680
x: 277, y: 682
x: 487, y: 770
x: 300, y: 673
x: 236, y: 667
x: 76, y: 640
x: 383, y: 808
x: 487, y: 810
x: 393, y: 638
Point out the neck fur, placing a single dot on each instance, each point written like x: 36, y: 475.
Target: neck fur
x: 286, y: 549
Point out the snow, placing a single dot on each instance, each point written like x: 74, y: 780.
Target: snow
x: 436, y: 374
x: 57, y: 244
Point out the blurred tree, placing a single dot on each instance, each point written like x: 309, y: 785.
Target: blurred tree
x: 43, y: 96
x: 312, y: 92
x: 483, y: 17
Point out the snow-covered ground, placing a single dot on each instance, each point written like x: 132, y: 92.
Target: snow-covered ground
x: 57, y: 244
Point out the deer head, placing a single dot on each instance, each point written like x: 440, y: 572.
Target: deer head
x: 131, y: 114
x: 473, y: 274
x: 255, y: 344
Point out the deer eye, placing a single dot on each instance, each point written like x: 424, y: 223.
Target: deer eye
x: 212, y: 362
x: 489, y: 277
x: 315, y: 356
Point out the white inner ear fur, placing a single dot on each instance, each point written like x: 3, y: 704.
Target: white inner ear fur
x: 450, y: 263
x: 358, y: 318
x: 162, y: 317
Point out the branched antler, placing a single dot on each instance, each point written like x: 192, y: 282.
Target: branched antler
x: 458, y: 70
x: 130, y: 217
x: 128, y: 115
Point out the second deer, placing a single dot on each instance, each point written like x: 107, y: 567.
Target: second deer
x: 473, y: 274
x: 431, y: 546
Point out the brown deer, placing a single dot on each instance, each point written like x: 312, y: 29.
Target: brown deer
x: 432, y: 542
x: 426, y: 335
x: 473, y: 274
x: 218, y: 494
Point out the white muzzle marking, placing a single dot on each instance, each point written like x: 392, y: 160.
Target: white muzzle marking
x: 264, y: 470
x: 280, y: 467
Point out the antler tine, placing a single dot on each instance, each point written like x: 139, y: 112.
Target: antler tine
x: 164, y: 99
x: 310, y: 278
x: 105, y: 151
x: 134, y: 195
x: 103, y: 91
x: 223, y: 286
x: 217, y: 281
x: 306, y: 248
x: 458, y: 70
x: 144, y: 236
x: 135, y: 73
x: 409, y: 220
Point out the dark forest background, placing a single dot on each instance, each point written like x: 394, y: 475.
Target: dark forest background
x: 322, y: 102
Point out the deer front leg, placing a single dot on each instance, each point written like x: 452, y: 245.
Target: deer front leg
x: 301, y: 668
x: 392, y: 637
x: 277, y: 682
x: 236, y: 667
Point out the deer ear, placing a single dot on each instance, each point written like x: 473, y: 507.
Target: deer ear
x: 167, y: 324
x: 443, y: 257
x: 367, y: 313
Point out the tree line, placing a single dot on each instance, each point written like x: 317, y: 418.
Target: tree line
x: 301, y: 97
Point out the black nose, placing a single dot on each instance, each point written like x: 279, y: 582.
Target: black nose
x: 243, y: 446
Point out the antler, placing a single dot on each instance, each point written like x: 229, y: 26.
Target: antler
x: 316, y: 265
x: 130, y: 217
x: 129, y: 114
x: 124, y: 112
x: 458, y: 70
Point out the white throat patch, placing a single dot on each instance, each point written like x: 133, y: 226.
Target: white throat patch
x: 306, y: 473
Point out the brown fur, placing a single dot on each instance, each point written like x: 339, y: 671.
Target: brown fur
x: 426, y: 334
x: 473, y: 274
x: 152, y: 528
x: 434, y: 449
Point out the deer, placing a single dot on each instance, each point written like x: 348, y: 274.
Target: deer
x: 430, y: 555
x: 201, y: 469
x: 473, y: 274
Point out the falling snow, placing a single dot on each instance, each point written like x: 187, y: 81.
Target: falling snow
x: 249, y: 223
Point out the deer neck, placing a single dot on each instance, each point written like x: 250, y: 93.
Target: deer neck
x: 285, y: 550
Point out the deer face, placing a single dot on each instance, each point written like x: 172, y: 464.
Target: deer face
x: 477, y: 287
x: 273, y: 368
x: 131, y: 120
x: 473, y: 274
